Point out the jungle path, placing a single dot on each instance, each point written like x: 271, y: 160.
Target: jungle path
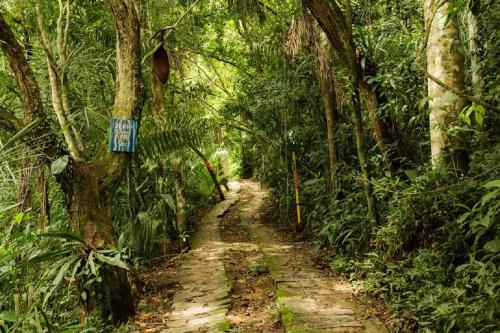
x: 241, y: 276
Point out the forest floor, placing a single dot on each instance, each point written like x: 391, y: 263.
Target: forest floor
x: 245, y: 275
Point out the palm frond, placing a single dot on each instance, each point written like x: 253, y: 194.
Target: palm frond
x: 177, y: 131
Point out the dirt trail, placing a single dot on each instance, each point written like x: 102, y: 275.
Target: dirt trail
x: 242, y: 276
x: 253, y: 305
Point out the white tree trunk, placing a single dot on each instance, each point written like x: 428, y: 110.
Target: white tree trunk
x: 444, y: 61
x: 473, y: 30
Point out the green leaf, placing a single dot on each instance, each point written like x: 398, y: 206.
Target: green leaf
x: 19, y: 218
x: 122, y: 240
x: 64, y: 235
x: 461, y: 268
x: 63, y: 271
x: 60, y: 276
x: 312, y: 182
x: 48, y: 256
x: 92, y: 263
x: 4, y: 209
x: 59, y: 165
x: 170, y: 201
x: 493, y: 246
x: 143, y: 217
x: 9, y: 316
x: 479, y: 114
x: 412, y: 174
x: 75, y: 269
x: 24, y: 131
x: 487, y: 197
x: 493, y: 183
x: 111, y: 261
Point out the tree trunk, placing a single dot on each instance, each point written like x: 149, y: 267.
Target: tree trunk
x: 42, y: 139
x: 475, y: 66
x: 363, y: 164
x: 329, y: 105
x: 337, y: 28
x: 211, y: 172
x: 445, y: 62
x: 90, y: 208
x: 327, y: 83
x: 180, y: 200
x: 59, y: 100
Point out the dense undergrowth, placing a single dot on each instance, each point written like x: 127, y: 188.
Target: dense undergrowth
x: 435, y: 255
x: 45, y: 275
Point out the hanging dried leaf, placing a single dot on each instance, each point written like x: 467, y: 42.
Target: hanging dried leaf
x: 161, y: 65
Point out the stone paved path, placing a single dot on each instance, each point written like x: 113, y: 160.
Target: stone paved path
x: 201, y: 305
x: 307, y: 301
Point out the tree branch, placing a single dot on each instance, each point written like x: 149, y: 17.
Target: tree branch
x: 457, y: 92
x: 30, y: 92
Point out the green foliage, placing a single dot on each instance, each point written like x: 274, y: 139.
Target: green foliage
x: 434, y: 263
x: 58, y: 267
x: 258, y: 267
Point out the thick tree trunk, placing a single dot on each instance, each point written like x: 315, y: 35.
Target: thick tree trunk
x: 90, y: 210
x: 363, y: 164
x: 445, y: 61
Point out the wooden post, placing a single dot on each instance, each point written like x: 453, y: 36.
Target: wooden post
x: 296, y: 186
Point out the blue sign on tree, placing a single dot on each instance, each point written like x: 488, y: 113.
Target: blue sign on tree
x: 123, y: 135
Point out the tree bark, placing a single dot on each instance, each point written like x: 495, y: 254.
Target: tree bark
x: 445, y: 62
x: 475, y: 59
x: 329, y: 100
x: 90, y: 213
x: 57, y: 84
x: 42, y: 138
